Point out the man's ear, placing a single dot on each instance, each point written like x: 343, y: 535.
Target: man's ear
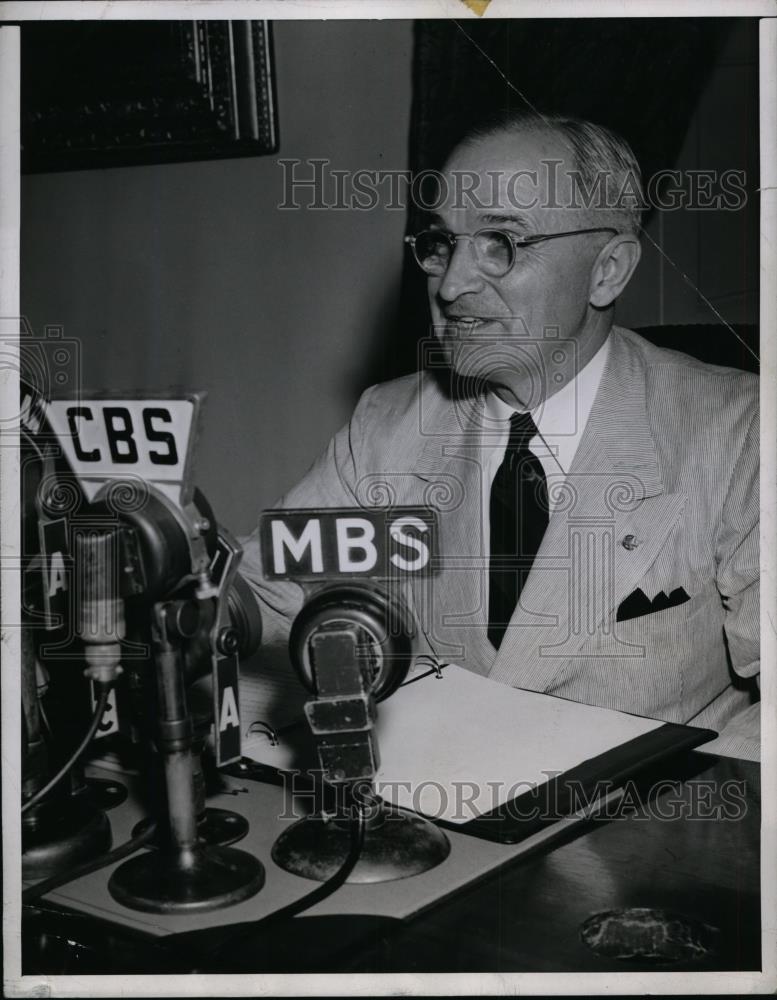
x: 612, y: 269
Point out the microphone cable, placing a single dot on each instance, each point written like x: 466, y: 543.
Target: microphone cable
x: 293, y: 909
x: 102, y: 702
x: 333, y: 882
x: 34, y: 892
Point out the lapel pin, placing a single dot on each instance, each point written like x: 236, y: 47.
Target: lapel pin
x: 629, y: 542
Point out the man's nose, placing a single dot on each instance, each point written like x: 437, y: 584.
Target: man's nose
x: 463, y: 274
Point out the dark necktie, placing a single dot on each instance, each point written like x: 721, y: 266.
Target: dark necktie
x: 518, y: 519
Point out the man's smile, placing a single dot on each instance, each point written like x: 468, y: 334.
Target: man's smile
x: 466, y: 322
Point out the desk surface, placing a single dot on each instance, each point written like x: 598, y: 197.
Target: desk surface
x: 527, y: 916
x: 694, y: 851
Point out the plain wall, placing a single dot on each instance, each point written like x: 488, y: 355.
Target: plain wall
x: 189, y: 274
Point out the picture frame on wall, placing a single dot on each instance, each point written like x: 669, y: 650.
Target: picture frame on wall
x: 91, y: 102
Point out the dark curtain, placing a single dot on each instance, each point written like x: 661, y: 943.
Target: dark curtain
x: 642, y: 77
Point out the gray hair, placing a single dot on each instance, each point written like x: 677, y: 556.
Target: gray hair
x: 602, y: 159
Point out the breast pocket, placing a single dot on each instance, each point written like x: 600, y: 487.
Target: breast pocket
x: 645, y: 663
x: 658, y: 628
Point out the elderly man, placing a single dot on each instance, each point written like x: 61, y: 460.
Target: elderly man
x: 597, y: 495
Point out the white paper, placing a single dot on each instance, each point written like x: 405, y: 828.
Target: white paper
x: 459, y: 746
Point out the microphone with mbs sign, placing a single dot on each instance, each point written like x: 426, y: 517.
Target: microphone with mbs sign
x: 351, y: 645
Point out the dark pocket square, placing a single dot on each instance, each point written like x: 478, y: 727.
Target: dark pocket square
x: 638, y: 604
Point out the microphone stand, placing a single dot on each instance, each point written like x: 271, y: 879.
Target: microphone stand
x: 185, y: 875
x: 341, y: 715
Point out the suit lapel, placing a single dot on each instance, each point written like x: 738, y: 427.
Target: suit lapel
x: 452, y: 606
x: 612, y: 521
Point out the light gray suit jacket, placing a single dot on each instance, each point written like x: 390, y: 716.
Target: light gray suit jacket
x: 669, y: 456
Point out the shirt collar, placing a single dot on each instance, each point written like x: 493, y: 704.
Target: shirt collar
x: 566, y: 412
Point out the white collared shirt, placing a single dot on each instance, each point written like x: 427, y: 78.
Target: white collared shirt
x: 560, y: 420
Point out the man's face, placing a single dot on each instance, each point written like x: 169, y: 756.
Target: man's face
x: 511, y: 330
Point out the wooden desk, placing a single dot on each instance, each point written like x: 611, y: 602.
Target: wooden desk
x: 526, y: 916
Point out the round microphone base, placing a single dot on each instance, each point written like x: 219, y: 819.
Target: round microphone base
x: 210, y: 878
x: 219, y: 827
x: 106, y: 794
x: 59, y: 834
x: 397, y: 844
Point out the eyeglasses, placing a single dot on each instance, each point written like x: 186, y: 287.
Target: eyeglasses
x: 495, y: 249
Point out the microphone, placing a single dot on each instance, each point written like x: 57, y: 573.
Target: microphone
x: 351, y: 647
x: 100, y: 620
